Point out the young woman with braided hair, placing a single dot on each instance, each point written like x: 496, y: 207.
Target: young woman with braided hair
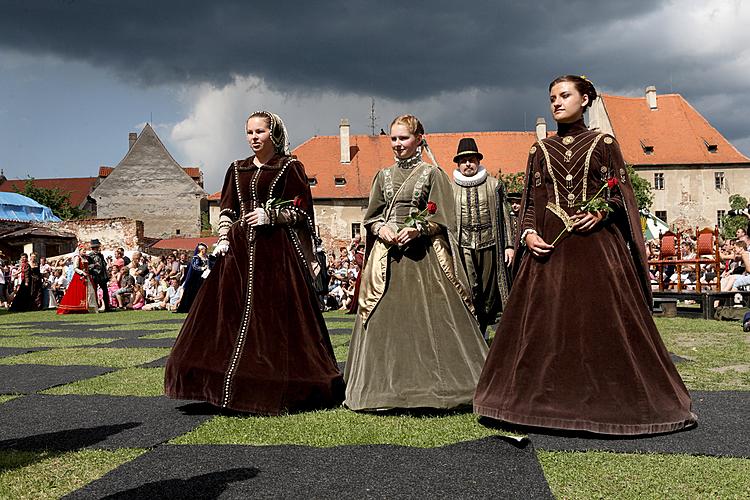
x: 577, y: 348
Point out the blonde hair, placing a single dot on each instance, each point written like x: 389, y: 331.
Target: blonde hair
x: 411, y: 122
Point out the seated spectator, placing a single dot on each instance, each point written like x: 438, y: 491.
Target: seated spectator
x: 171, y: 298
x: 127, y: 280
x: 734, y: 281
x: 58, y: 284
x: 138, y: 299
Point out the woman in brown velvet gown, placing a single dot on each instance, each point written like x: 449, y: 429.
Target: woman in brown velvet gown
x: 577, y: 348
x: 415, y: 341
x: 255, y: 340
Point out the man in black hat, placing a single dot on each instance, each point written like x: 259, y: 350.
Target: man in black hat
x: 485, y: 232
x: 98, y: 271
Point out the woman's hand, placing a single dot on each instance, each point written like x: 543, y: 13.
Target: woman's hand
x: 407, y: 234
x: 537, y: 246
x: 387, y: 235
x: 509, y: 253
x: 586, y: 221
x: 257, y: 217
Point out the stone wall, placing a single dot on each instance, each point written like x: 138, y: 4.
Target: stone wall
x: 334, y: 219
x: 690, y: 196
x: 112, y: 233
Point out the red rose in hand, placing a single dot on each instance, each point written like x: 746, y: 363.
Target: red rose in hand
x: 297, y: 201
x: 611, y: 182
x: 431, y: 207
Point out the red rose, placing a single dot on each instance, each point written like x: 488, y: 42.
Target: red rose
x: 431, y: 207
x: 297, y: 201
x: 611, y: 182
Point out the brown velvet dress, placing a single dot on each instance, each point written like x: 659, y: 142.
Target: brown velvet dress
x: 255, y: 339
x: 577, y: 348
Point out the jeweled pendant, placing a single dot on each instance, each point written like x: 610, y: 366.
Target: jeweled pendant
x: 568, y: 140
x: 569, y: 181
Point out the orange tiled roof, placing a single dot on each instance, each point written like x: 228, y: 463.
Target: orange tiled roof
x: 193, y: 172
x: 215, y: 196
x: 677, y: 132
x: 321, y: 156
x: 78, y: 187
x: 185, y: 243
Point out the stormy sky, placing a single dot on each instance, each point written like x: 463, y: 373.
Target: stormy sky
x: 77, y: 76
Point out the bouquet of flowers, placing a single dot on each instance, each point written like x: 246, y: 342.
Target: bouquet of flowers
x: 597, y: 203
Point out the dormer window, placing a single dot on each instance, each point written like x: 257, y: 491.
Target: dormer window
x: 312, y: 181
x: 647, y: 146
x: 339, y: 181
x: 710, y: 146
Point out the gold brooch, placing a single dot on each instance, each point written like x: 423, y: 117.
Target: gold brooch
x: 568, y: 140
x: 608, y: 140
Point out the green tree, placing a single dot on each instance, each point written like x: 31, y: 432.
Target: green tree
x: 206, y: 228
x: 731, y: 223
x: 56, y: 199
x: 514, y: 183
x: 643, y: 195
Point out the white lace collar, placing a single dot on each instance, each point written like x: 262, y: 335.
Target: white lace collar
x: 474, y: 180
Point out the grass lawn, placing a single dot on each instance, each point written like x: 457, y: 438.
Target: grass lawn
x: 45, y: 474
x: 93, y: 356
x: 340, y: 427
x: 718, y: 356
x: 126, y: 382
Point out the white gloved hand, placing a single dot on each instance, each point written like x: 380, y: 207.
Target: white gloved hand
x: 221, y: 248
x: 205, y: 273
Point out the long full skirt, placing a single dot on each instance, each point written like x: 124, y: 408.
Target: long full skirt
x: 79, y: 296
x: 255, y: 339
x: 420, y: 347
x: 577, y: 348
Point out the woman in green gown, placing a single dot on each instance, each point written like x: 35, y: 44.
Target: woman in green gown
x: 416, y: 343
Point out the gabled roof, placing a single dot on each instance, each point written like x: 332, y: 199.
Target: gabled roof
x: 194, y: 172
x: 78, y: 187
x: 321, y: 155
x: 147, y: 153
x: 215, y: 197
x: 678, y: 134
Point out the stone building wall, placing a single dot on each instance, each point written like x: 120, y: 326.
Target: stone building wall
x: 690, y: 196
x: 149, y: 185
x: 112, y: 233
x: 334, y: 219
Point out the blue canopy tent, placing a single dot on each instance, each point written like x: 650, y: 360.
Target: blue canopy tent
x: 17, y: 207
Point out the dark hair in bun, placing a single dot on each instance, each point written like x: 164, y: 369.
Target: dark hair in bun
x: 583, y: 86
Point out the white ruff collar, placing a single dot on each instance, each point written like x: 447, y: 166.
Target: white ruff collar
x: 474, y: 180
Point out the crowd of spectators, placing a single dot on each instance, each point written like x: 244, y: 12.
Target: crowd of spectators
x: 734, y: 267
x: 135, y: 282
x: 344, y: 266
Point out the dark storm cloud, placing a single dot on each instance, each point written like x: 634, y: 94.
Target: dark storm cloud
x: 504, y: 51
x: 400, y: 50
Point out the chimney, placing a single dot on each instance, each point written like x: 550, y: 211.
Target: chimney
x: 541, y: 128
x: 344, y: 140
x: 132, y: 137
x: 651, y: 97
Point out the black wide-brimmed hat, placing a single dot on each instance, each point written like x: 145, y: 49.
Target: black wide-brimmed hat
x: 95, y: 243
x: 467, y: 146
x: 511, y: 197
